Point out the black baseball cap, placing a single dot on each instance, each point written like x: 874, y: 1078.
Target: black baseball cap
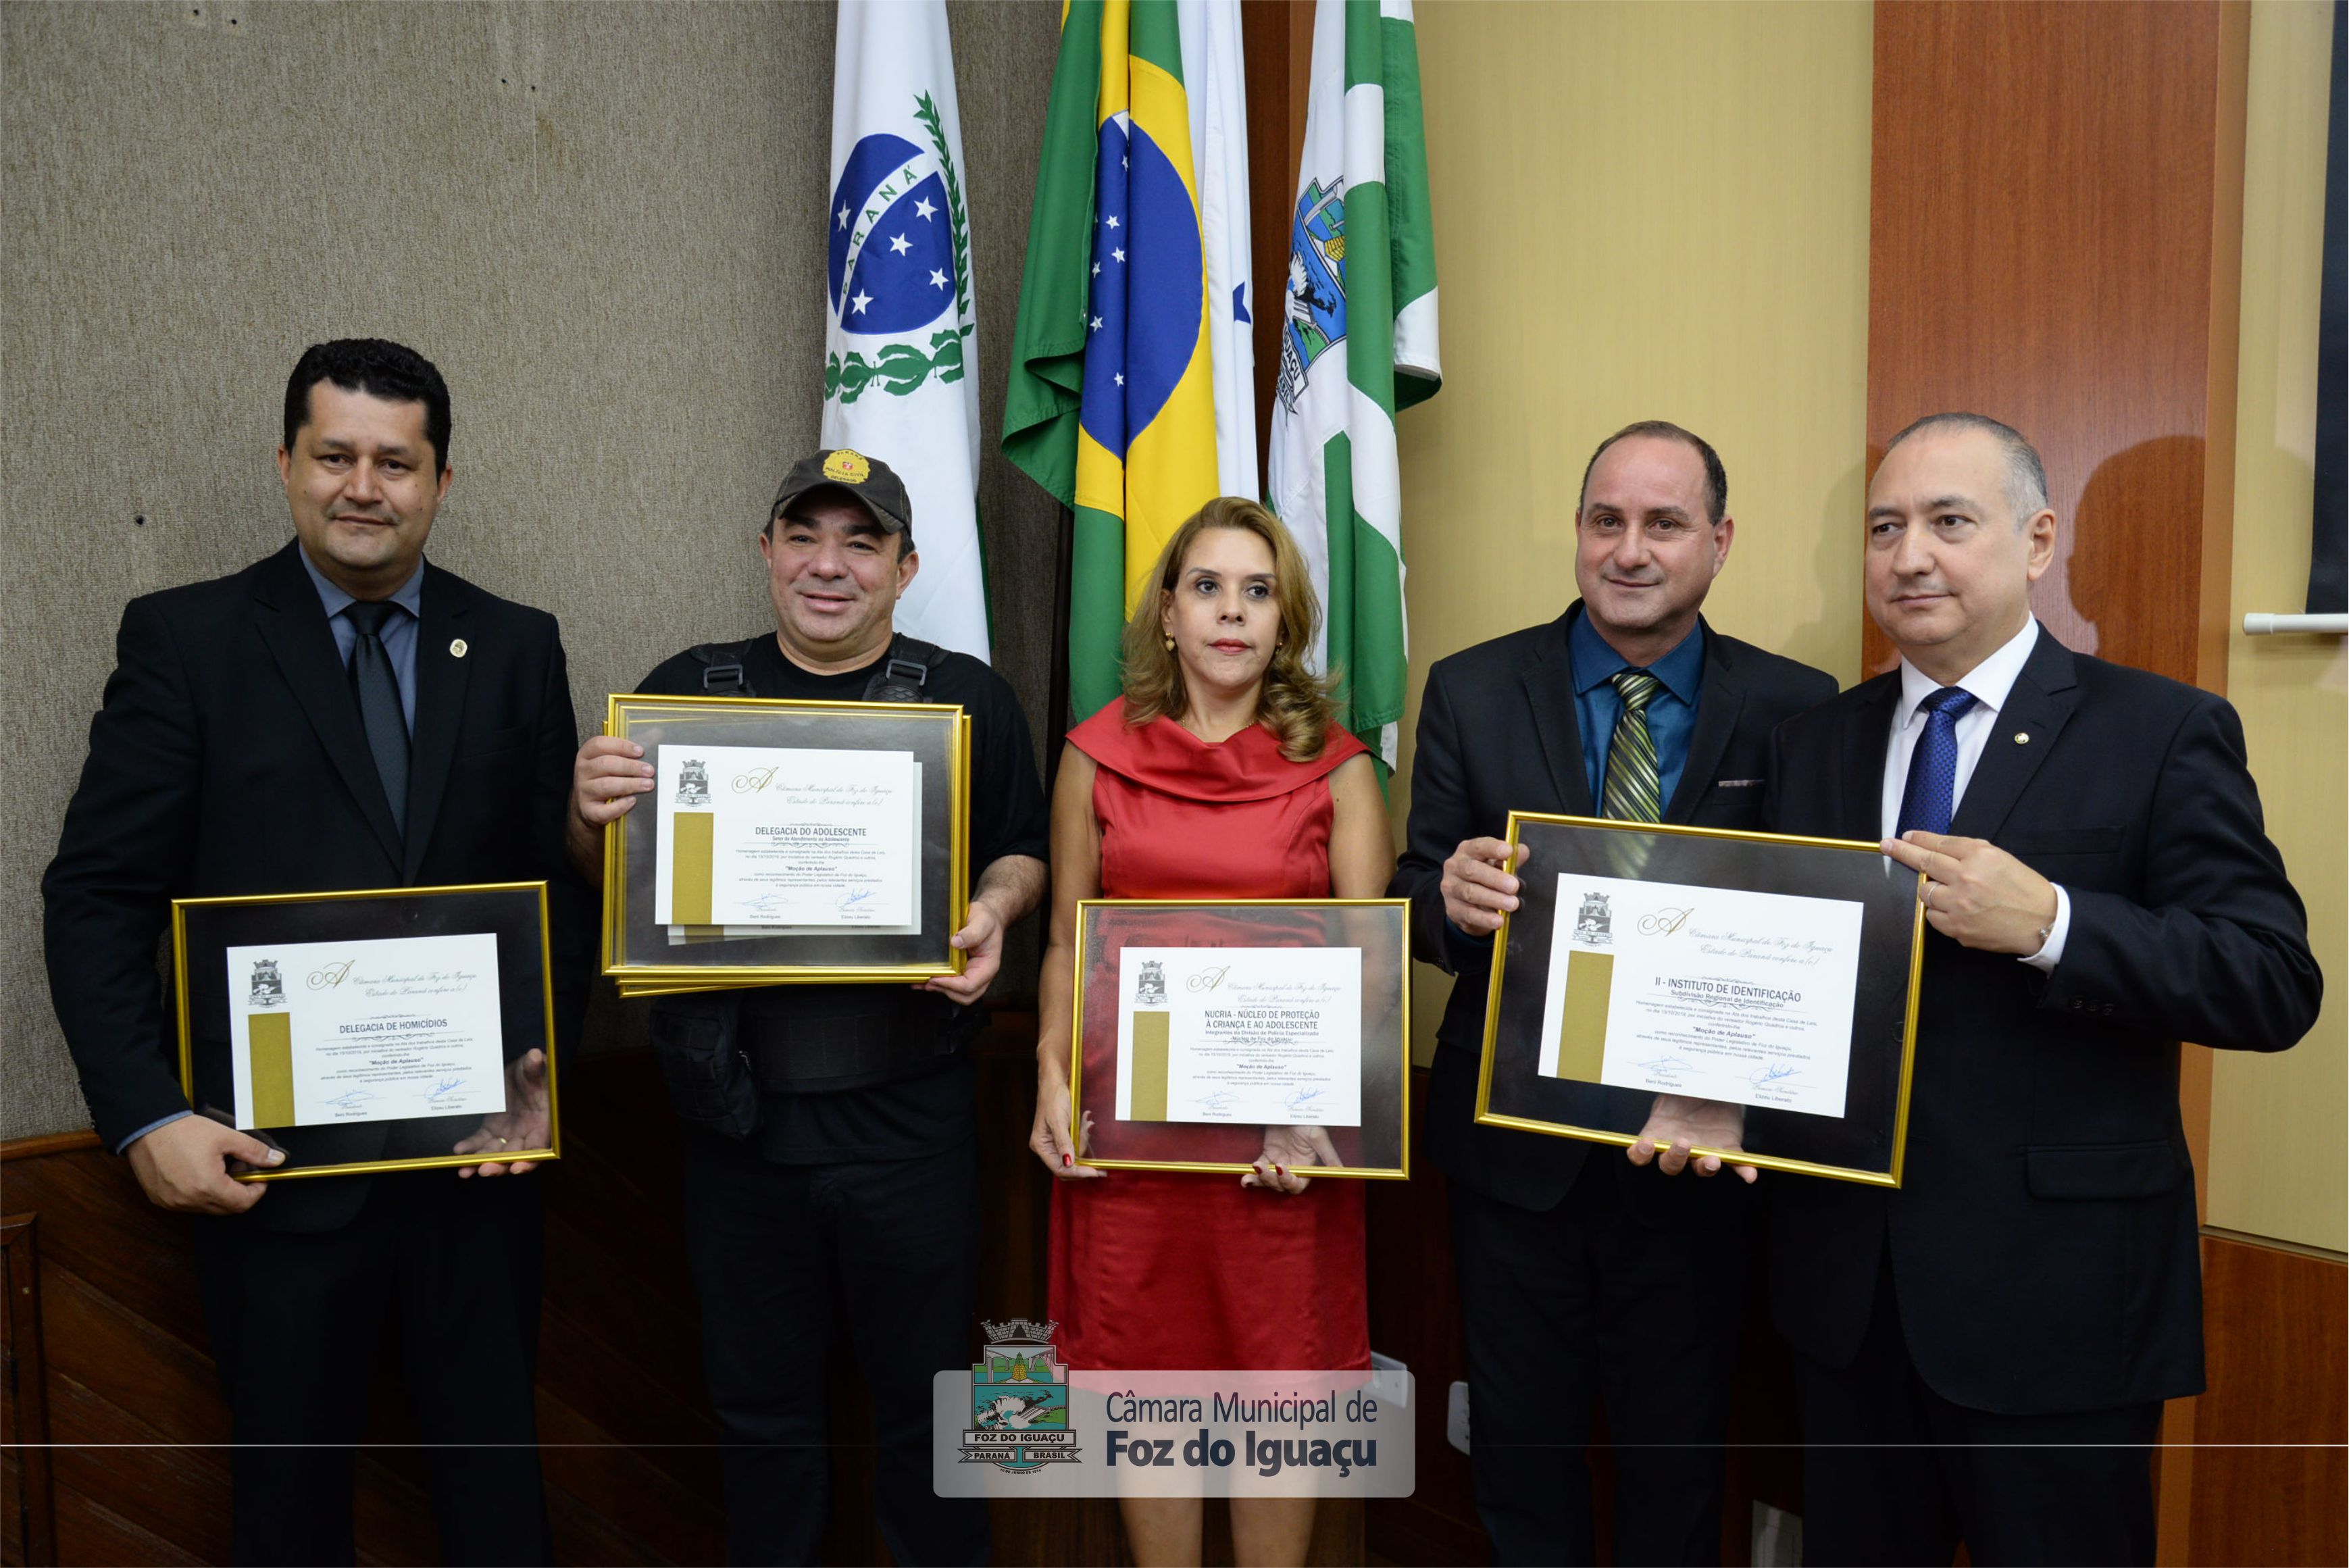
x: 874, y: 484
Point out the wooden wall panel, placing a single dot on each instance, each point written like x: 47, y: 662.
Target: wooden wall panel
x: 2054, y: 239
x: 2270, y: 1472
x: 29, y: 1531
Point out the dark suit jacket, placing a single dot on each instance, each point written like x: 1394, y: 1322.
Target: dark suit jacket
x: 2042, y: 1242
x: 1497, y: 733
x: 228, y: 758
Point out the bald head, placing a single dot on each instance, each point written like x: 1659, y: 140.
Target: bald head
x: 2026, y: 477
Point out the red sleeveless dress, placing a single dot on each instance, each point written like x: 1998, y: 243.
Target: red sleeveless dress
x: 1169, y: 1269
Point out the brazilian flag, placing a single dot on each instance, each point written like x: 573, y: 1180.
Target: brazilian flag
x: 1111, y: 405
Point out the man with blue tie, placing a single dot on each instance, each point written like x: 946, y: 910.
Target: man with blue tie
x: 1583, y: 1276
x: 1982, y: 1353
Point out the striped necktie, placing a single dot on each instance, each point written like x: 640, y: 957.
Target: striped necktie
x: 1634, y: 792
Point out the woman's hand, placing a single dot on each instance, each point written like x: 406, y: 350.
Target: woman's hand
x: 1076, y: 876
x: 1051, y: 1138
x: 1286, y: 1148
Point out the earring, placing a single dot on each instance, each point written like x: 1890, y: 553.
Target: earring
x: 1170, y: 643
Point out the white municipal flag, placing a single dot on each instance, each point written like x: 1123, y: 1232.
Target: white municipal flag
x: 901, y: 343
x: 1214, y: 81
x: 1357, y: 343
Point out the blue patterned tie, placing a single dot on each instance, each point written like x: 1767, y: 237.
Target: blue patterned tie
x: 1929, y: 798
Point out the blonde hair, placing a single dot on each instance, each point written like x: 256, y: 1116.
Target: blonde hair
x: 1294, y: 703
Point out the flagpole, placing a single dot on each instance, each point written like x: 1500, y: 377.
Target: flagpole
x: 1056, y: 721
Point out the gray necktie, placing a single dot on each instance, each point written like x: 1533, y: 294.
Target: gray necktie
x: 376, y: 687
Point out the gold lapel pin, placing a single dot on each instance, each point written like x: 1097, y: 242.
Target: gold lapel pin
x: 457, y: 651
x: 2022, y: 738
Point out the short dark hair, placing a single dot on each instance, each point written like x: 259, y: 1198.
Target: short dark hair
x: 1716, y: 479
x: 391, y: 371
x: 2026, y: 476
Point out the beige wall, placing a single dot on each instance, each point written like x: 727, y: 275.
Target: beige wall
x: 1641, y: 210
x: 604, y: 224
x: 2277, y: 1161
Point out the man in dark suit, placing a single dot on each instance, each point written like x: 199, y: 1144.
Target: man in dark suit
x: 1583, y: 1274
x: 1982, y: 1353
x: 337, y: 716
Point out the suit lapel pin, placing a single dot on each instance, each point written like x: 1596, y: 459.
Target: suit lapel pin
x: 457, y: 651
x: 2022, y: 738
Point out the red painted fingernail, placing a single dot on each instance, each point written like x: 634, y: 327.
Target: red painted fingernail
x: 1278, y: 1171
x: 1066, y: 1162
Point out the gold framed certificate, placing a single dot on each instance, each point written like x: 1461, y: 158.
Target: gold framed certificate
x: 1208, y: 1034
x: 381, y: 1029
x: 787, y: 842
x: 1773, y: 978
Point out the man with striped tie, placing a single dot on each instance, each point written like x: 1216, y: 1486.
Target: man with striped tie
x: 1583, y: 1274
x: 1982, y: 1353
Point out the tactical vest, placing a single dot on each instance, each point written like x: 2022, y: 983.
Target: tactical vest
x: 719, y: 1049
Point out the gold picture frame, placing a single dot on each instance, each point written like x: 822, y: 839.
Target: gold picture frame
x: 1880, y: 908
x: 1394, y: 1134
x: 941, y: 730
x: 186, y: 911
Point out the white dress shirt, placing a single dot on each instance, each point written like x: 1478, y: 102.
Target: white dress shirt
x: 1989, y: 683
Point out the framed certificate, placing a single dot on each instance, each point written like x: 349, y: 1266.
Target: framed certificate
x: 377, y: 1030
x: 787, y: 842
x: 1208, y: 1034
x: 1773, y: 978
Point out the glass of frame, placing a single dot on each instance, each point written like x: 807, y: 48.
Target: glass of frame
x: 379, y: 1030
x: 787, y: 843
x: 1778, y: 974
x: 1205, y: 1028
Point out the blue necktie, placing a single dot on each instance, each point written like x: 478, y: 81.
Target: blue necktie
x: 1930, y: 795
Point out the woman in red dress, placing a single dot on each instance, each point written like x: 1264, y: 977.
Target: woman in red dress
x: 1220, y: 774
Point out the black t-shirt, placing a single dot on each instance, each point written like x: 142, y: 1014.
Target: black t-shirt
x: 915, y: 1116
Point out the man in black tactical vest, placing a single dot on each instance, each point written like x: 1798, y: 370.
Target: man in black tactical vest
x: 858, y: 1173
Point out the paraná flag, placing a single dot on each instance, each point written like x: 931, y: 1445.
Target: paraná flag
x: 1357, y: 343
x: 901, y: 340
x: 1113, y: 400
